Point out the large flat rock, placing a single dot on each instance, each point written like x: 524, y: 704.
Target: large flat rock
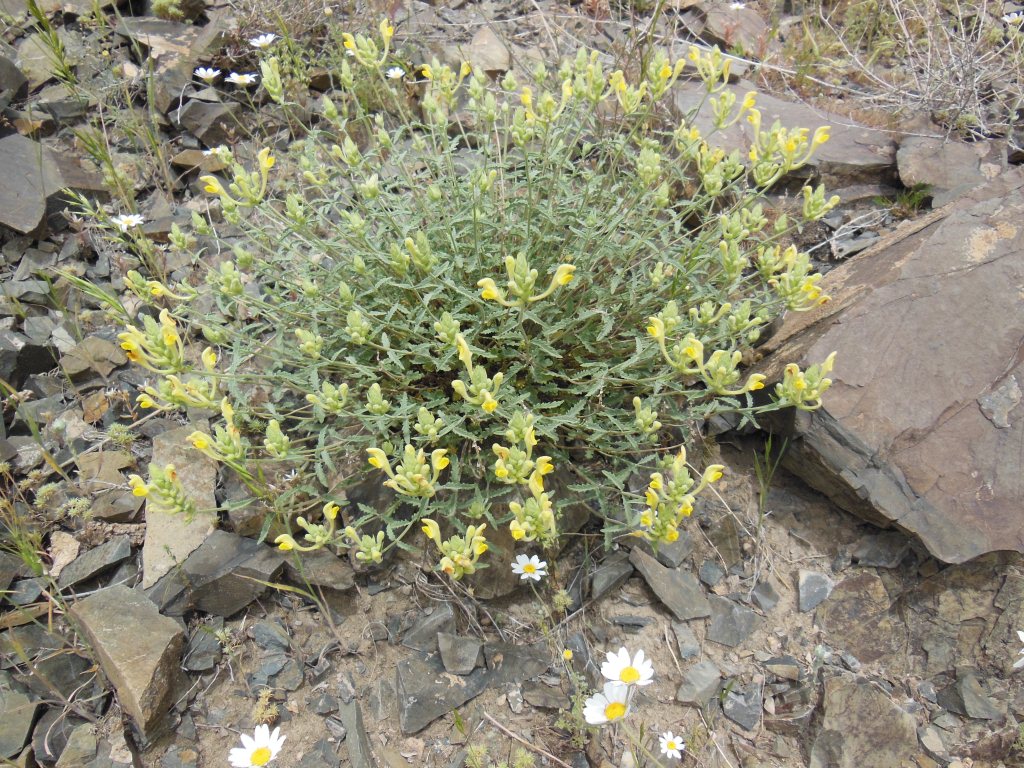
x: 170, y: 538
x: 138, y: 650
x: 922, y: 426
x: 854, y: 153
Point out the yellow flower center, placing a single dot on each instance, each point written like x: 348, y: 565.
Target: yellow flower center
x: 615, y: 710
x: 529, y: 568
x: 629, y: 675
x: 670, y: 744
x: 261, y: 756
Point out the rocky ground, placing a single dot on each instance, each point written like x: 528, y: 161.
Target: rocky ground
x: 861, y: 612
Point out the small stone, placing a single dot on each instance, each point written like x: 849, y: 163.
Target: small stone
x: 96, y: 561
x: 671, y: 554
x: 80, y: 749
x: 932, y: 743
x: 686, y: 641
x: 677, y: 590
x: 725, y: 536
x: 52, y: 733
x: 138, y: 650
x: 357, y: 741
x: 814, y: 588
x: 326, y: 704
x: 764, y: 596
x: 321, y: 755
x: 26, y: 591
x: 422, y: 636
x: 881, y: 550
x: 743, y: 706
x: 211, y: 123
x: 93, y: 355
x: 322, y: 570
x: 460, y: 655
x: 731, y: 623
x: 13, y: 83
x: 204, y: 650
x: 631, y: 622
x: 19, y: 712
x: 701, y: 682
x: 488, y: 52
x: 543, y: 696
x: 613, y: 572
x: 968, y: 697
x: 270, y: 635
x: 710, y: 573
x: 784, y: 668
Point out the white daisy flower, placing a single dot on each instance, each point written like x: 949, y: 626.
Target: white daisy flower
x: 127, y: 221
x: 671, y: 746
x: 240, y: 79
x: 737, y: 6
x: 609, y: 705
x: 1020, y: 662
x: 395, y: 73
x: 257, y: 750
x: 619, y: 668
x: 207, y: 73
x: 263, y: 41
x: 1016, y: 17
x: 529, y: 567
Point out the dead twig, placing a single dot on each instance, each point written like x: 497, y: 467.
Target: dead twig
x: 524, y: 742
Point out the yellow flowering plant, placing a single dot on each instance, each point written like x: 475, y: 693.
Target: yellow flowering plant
x: 544, y: 268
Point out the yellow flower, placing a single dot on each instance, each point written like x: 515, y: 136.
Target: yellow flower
x: 138, y: 486
x: 651, y: 498
x: 331, y: 510
x: 490, y: 290
x: 489, y: 404
x: 564, y: 274
x: 431, y: 530
x: 145, y: 401
x: 656, y: 327
x: 516, y: 530
x: 285, y: 542
x: 266, y: 160
x: 349, y: 41
x: 427, y: 72
x: 666, y: 71
x: 213, y: 186
x: 567, y: 654
x: 544, y: 466
x: 209, y: 359
x: 199, y: 441
x: 378, y: 459
x: 438, y: 460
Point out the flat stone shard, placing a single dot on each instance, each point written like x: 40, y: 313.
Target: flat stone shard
x: 910, y: 432
x: 138, y: 650
x: 170, y: 537
x: 678, y: 591
x: 853, y: 154
x: 862, y: 728
x: 31, y: 177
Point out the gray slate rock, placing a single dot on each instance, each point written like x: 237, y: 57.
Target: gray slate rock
x: 357, y: 741
x: 80, y: 749
x: 321, y: 755
x: 949, y: 168
x: 677, y: 590
x: 731, y: 623
x: 613, y: 572
x: 51, y: 734
x: 270, y: 635
x: 764, y: 596
x: 16, y: 724
x: 672, y: 554
x: 95, y: 561
x: 138, y: 650
x: 861, y: 727
x: 425, y: 692
x: 874, y: 446
x: 422, y: 636
x: 814, y: 588
x: 968, y: 697
x: 221, y: 577
x: 710, y: 573
x: 211, y: 123
x: 204, y: 650
x: 784, y: 668
x: 701, y: 682
x: 320, y: 569
x: 23, y: 205
x: 13, y: 83
x: 460, y: 655
x: 742, y: 705
x: 686, y: 641
x: 881, y: 550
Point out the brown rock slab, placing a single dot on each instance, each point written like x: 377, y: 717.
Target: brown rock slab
x: 857, y: 618
x: 862, y: 728
x: 93, y: 354
x: 138, y: 650
x: 488, y: 52
x: 677, y: 590
x: 739, y: 30
x: 100, y: 471
x: 170, y: 538
x: 921, y: 425
x: 949, y: 168
x: 854, y: 153
x: 31, y: 177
